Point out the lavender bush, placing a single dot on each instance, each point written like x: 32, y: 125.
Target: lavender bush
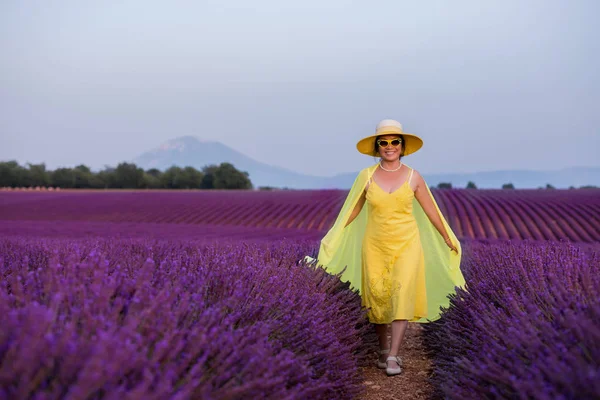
x: 528, y: 326
x: 155, y: 320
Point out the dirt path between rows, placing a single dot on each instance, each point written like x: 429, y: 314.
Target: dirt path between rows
x: 412, y: 383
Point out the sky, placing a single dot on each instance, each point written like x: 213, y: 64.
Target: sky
x: 494, y: 85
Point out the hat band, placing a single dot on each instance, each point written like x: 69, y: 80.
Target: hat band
x: 389, y: 129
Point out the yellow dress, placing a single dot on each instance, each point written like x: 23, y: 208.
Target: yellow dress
x: 341, y: 253
x: 393, y: 265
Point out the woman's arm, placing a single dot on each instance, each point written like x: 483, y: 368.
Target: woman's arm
x: 423, y: 198
x: 357, y: 208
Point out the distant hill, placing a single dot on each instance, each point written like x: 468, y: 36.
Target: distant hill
x: 190, y: 151
x: 562, y: 178
x: 521, y: 179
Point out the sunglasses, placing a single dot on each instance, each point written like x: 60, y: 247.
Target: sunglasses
x: 385, y: 143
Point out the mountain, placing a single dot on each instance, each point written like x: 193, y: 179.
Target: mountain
x: 521, y: 179
x: 190, y: 151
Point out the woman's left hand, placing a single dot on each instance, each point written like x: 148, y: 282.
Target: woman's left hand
x: 452, y: 247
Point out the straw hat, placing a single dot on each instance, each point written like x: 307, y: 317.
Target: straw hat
x: 411, y: 143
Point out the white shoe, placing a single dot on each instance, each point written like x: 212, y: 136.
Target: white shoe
x: 393, y: 371
x: 382, y: 365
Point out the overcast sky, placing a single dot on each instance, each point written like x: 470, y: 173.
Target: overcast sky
x: 487, y: 84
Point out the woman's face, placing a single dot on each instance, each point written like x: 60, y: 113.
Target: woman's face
x: 390, y: 152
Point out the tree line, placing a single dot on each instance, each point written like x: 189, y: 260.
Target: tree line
x: 471, y: 185
x: 124, y: 176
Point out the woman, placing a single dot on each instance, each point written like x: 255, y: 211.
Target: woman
x: 398, y: 251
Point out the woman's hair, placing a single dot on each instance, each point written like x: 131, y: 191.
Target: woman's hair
x: 403, y: 145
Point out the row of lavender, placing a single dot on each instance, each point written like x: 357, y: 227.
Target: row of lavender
x: 143, y: 319
x: 523, y: 214
x: 158, y: 231
x: 528, y: 325
x: 481, y: 214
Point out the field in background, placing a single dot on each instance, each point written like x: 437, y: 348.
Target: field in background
x: 571, y: 215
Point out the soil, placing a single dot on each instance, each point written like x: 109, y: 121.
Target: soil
x: 412, y: 382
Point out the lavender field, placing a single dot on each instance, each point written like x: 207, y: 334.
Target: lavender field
x: 153, y: 295
x: 571, y: 215
x: 141, y: 319
x: 528, y: 326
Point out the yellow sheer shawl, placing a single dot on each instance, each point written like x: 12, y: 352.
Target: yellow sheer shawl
x: 341, y: 248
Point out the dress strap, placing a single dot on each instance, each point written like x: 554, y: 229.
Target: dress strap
x: 410, y: 175
x: 369, y: 182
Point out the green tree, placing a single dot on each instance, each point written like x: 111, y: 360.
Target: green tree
x: 227, y: 177
x: 471, y: 185
x: 549, y: 186
x: 153, y: 179
x: 508, y: 186
x: 10, y: 174
x: 182, y: 178
x: 62, y: 177
x: 38, y: 176
x: 444, y: 185
x: 83, y: 176
x: 127, y: 176
x: 170, y: 178
x: 103, y: 179
x: 191, y: 178
x: 155, y: 172
x: 79, y: 177
x: 208, y: 181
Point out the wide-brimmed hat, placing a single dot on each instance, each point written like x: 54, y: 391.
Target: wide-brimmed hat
x: 411, y: 143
